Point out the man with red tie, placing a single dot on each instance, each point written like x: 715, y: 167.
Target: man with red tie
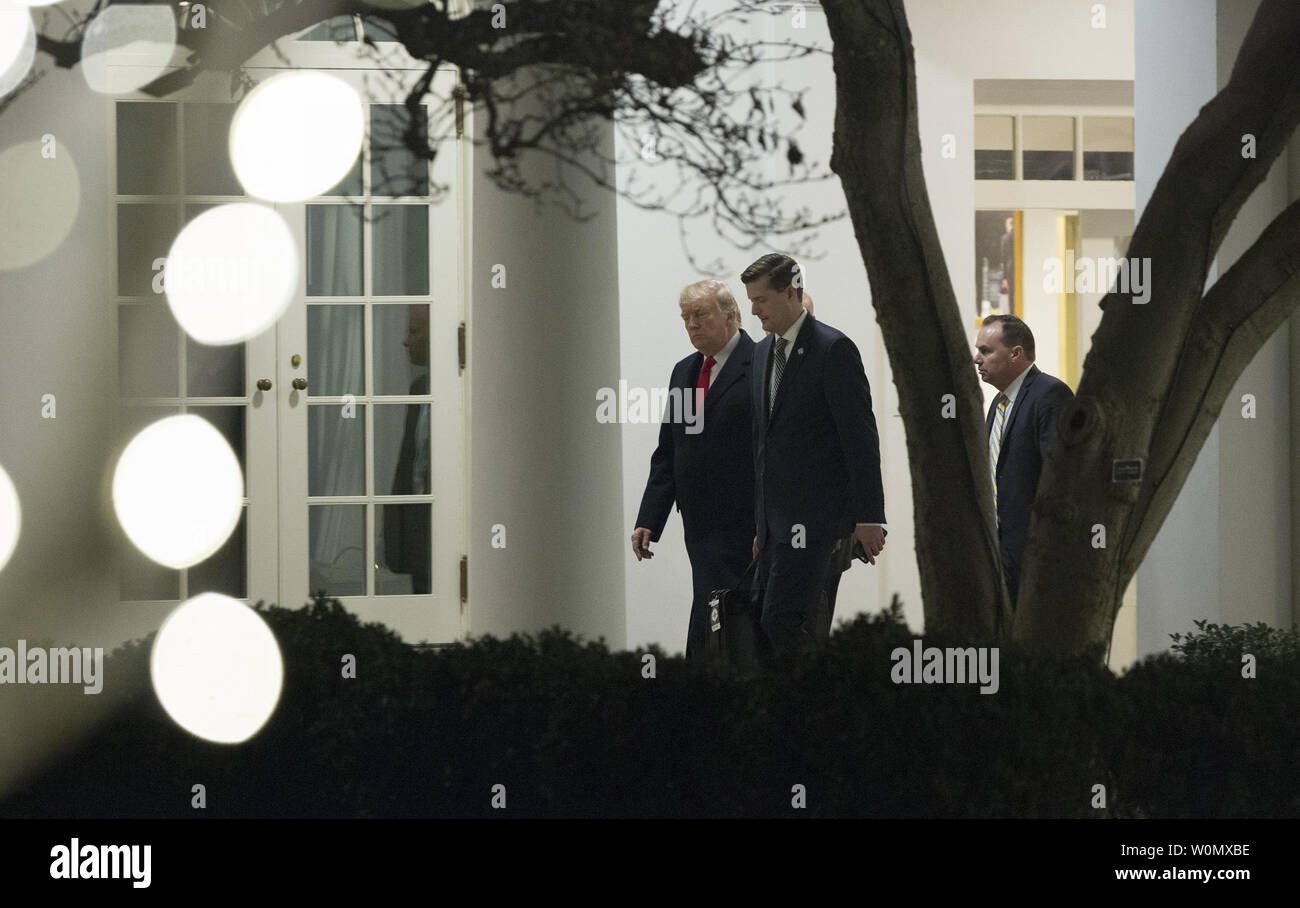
x: 704, y: 461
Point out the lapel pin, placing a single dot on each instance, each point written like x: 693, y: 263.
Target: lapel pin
x: 799, y: 351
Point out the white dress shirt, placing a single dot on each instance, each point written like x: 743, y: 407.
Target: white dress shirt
x: 790, y: 335
x: 1012, y: 390
x: 720, y: 358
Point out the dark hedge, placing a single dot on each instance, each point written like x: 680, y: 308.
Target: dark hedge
x: 574, y: 730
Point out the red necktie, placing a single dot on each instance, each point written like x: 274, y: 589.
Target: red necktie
x: 703, y: 384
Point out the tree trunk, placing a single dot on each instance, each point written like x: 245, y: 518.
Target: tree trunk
x: 1158, y: 373
x: 877, y: 155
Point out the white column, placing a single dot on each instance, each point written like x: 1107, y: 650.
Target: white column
x: 1226, y: 550
x: 1175, y: 73
x: 541, y: 467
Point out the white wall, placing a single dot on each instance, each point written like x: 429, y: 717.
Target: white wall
x: 1103, y: 233
x: 60, y: 585
x: 1255, y: 454
x: 1175, y: 76
x: 1041, y: 308
x: 1293, y: 190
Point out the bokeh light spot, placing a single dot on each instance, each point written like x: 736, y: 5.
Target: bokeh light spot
x: 127, y: 46
x: 17, y: 45
x: 178, y: 490
x: 296, y: 135
x: 39, y: 200
x: 11, y: 518
x: 216, y: 668
x: 231, y: 272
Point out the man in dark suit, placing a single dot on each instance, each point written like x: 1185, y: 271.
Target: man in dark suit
x: 407, y: 536
x: 842, y: 552
x: 704, y: 461
x: 816, y: 456
x: 1021, y: 430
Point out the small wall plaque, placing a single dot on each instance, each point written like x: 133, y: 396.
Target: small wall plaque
x: 1126, y: 470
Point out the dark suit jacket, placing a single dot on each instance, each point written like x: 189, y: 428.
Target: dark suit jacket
x: 709, y: 475
x: 1028, y: 436
x: 817, y: 459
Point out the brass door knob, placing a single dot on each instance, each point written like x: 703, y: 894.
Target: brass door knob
x: 300, y: 384
x: 264, y: 384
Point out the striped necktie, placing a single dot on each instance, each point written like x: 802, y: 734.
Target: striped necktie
x: 778, y: 369
x: 995, y: 442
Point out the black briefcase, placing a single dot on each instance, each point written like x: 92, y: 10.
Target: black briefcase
x: 734, y: 622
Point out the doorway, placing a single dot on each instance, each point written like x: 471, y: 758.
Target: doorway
x: 348, y: 417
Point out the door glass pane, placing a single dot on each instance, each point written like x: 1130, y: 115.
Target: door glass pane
x: 350, y: 185
x: 229, y: 421
x: 401, y: 348
x: 994, y: 147
x: 214, y: 371
x: 402, y: 451
x: 146, y: 351
x: 995, y: 261
x: 139, y: 578
x: 1049, y: 148
x: 337, y: 548
x: 377, y: 29
x: 144, y: 235
x: 131, y: 419
x: 335, y: 350
x: 334, y: 250
x: 402, y: 547
x: 146, y: 148
x: 339, y: 28
x: 400, y: 250
x: 336, y: 449
x: 395, y: 169
x: 227, y: 570
x: 1108, y: 148
x: 193, y: 209
x: 207, y: 157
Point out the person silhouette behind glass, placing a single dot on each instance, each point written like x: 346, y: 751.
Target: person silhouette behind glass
x: 406, y: 526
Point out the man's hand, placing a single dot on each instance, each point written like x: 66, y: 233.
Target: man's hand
x: 641, y: 543
x: 872, y: 539
x: 755, y: 548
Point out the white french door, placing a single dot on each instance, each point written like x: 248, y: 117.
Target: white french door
x: 348, y: 417
x: 372, y: 455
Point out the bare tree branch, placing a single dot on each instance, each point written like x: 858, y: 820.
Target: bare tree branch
x: 665, y: 73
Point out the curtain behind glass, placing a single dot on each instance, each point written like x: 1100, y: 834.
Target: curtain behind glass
x: 335, y: 265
